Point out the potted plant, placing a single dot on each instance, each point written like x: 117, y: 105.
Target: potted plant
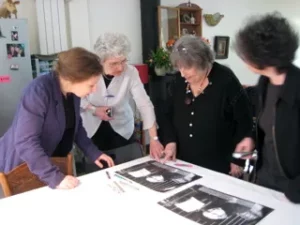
x: 160, y: 60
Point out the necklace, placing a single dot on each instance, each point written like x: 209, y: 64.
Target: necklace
x: 199, y: 90
x: 188, y: 98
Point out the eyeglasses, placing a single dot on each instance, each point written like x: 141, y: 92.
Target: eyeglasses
x: 115, y: 64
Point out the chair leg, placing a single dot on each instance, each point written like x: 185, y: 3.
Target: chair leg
x: 5, y: 186
x: 1, y: 193
x: 74, y: 164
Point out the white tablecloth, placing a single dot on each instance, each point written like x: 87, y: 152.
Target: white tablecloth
x: 94, y: 202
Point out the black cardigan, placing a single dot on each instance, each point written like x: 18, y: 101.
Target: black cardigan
x: 286, y: 128
x: 207, y: 130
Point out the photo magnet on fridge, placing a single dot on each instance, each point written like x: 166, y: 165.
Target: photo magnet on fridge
x: 15, y: 50
x: 14, y: 36
x: 14, y: 67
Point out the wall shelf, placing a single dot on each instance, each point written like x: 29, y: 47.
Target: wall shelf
x: 173, y: 22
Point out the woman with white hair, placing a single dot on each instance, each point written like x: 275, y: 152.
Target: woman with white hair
x: 209, y: 113
x: 107, y: 115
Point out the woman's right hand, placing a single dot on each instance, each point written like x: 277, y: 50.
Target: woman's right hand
x: 69, y: 182
x: 101, y: 112
x: 246, y: 145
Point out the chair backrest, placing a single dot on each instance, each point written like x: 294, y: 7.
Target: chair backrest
x: 20, y: 179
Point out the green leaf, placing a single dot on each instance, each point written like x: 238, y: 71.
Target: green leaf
x: 159, y: 58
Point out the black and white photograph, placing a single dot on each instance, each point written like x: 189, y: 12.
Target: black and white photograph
x: 14, y: 36
x: 210, y: 207
x: 157, y: 176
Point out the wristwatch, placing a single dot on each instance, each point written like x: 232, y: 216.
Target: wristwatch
x: 155, y: 138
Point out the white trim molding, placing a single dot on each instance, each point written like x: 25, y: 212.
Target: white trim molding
x: 52, y: 26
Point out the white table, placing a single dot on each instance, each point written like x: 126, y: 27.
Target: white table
x: 93, y: 202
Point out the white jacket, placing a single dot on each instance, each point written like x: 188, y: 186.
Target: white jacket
x: 123, y: 88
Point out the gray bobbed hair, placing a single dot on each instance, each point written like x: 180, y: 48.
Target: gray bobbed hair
x: 191, y: 51
x: 112, y: 45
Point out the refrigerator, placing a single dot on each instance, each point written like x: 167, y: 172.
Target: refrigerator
x: 15, y: 67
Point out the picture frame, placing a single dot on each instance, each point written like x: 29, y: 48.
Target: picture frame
x: 221, y: 46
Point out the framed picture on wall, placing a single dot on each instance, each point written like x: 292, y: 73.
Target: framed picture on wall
x: 221, y: 46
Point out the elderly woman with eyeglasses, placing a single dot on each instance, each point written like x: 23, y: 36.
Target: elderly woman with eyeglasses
x: 208, y: 114
x: 107, y: 113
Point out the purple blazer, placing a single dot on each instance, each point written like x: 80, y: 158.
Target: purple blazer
x: 38, y: 128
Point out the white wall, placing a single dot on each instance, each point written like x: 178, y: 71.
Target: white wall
x: 90, y: 18
x: 27, y: 10
x: 79, y: 25
x: 235, y: 12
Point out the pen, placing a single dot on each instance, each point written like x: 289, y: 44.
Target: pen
x: 129, y: 185
x: 183, y: 165
x: 119, y: 187
x: 121, y: 177
x: 107, y: 174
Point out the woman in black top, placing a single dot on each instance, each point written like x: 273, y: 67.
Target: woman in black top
x: 209, y: 112
x: 268, y: 46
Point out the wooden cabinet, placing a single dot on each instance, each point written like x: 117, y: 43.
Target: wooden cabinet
x: 190, y: 19
x: 174, y: 22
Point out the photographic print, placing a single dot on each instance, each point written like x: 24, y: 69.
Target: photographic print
x: 210, y: 207
x: 15, y: 50
x: 221, y: 47
x: 157, y: 176
x: 14, y: 36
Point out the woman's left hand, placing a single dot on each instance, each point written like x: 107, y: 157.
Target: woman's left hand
x: 156, y: 149
x: 170, y: 152
x: 105, y: 158
x: 235, y: 170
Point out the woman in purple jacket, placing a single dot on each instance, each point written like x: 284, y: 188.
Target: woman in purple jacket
x: 48, y: 121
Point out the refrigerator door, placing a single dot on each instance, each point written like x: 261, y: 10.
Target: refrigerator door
x: 15, y: 67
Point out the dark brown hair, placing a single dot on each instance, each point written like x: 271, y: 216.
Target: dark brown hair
x: 78, y: 64
x: 267, y: 41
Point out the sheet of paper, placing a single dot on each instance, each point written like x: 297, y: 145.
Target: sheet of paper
x: 190, y: 205
x: 157, y: 176
x: 208, y: 206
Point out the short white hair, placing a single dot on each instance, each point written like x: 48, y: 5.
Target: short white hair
x: 112, y: 45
